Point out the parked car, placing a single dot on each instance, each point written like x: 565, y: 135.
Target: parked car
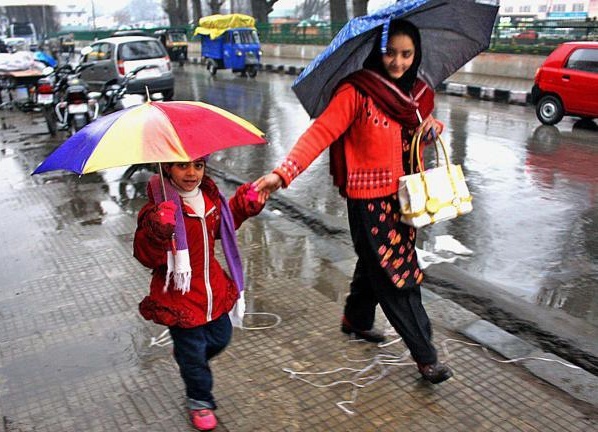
x: 527, y: 34
x: 112, y: 58
x: 120, y: 33
x: 567, y: 83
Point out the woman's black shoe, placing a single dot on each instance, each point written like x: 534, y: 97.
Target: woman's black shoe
x: 372, y: 335
x: 435, y: 372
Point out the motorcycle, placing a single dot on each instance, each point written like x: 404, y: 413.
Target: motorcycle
x: 76, y: 106
x: 114, y: 96
x: 44, y: 98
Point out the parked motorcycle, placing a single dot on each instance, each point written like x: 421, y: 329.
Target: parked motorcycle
x: 114, y: 96
x: 75, y: 106
x: 44, y: 97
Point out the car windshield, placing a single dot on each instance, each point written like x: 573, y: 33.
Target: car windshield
x: 22, y: 30
x: 178, y: 37
x: 140, y: 50
x: 245, y: 37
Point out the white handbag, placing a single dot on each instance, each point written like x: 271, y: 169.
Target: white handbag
x: 433, y: 195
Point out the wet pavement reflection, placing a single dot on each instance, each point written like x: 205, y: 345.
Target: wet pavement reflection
x: 533, y: 229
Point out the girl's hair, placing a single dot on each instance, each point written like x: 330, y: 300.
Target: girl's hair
x: 374, y: 60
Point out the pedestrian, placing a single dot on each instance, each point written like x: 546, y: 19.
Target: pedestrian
x: 189, y: 291
x: 368, y: 125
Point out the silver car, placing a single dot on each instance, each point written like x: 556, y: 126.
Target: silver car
x: 111, y: 58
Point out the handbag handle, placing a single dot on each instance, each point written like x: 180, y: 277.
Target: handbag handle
x: 415, y: 148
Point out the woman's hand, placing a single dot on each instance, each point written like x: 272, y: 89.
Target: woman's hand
x: 430, y: 128
x: 267, y: 184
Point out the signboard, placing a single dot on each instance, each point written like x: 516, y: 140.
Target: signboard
x: 567, y: 15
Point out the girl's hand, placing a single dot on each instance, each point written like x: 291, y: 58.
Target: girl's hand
x: 260, y: 197
x: 430, y: 128
x: 267, y: 184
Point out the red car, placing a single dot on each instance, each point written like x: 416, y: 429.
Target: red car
x: 567, y: 83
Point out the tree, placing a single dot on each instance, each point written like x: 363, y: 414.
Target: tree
x: 177, y: 12
x: 197, y: 12
x: 338, y: 12
x: 142, y: 10
x: 310, y: 8
x: 215, y: 6
x: 360, y: 7
x: 122, y: 17
x: 261, y: 9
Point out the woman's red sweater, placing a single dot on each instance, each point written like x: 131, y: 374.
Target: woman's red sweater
x: 373, y: 148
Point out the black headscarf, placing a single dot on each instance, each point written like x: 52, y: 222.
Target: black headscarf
x: 374, y: 60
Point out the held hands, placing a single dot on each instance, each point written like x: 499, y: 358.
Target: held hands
x: 253, y: 202
x: 162, y: 220
x: 267, y: 184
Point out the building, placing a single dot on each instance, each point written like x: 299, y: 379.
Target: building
x: 73, y: 16
x: 515, y: 12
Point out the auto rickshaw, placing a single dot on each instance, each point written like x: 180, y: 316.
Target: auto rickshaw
x: 230, y: 42
x: 175, y: 41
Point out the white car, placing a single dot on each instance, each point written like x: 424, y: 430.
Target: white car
x: 113, y: 57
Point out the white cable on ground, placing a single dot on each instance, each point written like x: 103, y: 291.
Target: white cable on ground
x: 383, y: 361
x: 444, y: 344
x: 277, y: 321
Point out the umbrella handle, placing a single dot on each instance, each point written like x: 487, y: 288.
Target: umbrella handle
x: 173, y: 236
x: 173, y: 244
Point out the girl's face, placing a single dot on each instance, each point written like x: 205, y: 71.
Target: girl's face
x: 186, y: 175
x: 399, y: 56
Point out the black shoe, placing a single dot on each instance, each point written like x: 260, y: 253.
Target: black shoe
x: 372, y: 335
x: 435, y: 372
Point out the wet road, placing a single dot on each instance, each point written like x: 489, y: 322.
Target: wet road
x: 533, y: 230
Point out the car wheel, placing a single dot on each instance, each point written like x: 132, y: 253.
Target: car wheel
x: 212, y: 67
x: 252, y: 71
x: 168, y: 94
x: 549, y: 110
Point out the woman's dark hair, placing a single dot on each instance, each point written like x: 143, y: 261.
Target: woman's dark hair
x: 374, y: 60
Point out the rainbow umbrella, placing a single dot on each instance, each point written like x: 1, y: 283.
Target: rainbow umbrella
x: 154, y: 132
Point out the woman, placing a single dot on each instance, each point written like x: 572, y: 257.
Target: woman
x: 369, y: 124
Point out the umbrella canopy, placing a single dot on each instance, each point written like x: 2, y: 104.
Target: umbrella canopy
x: 452, y: 33
x: 149, y: 133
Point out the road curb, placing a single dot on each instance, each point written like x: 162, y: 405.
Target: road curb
x: 447, y: 87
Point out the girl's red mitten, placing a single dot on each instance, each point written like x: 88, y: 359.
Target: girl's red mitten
x: 162, y: 220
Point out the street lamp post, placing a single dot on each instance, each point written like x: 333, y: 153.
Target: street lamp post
x: 93, y: 17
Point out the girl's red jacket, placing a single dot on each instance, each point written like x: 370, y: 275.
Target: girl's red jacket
x: 213, y: 292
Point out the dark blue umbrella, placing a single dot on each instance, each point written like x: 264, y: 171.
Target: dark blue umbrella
x: 452, y: 33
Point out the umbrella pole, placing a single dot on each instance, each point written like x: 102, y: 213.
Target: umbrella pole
x: 172, y: 237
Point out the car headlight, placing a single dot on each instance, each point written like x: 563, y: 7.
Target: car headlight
x: 239, y: 53
x: 260, y: 53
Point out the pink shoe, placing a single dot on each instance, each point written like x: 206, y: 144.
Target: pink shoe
x: 203, y: 419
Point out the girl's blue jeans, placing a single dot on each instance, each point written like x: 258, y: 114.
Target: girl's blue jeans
x: 193, y: 349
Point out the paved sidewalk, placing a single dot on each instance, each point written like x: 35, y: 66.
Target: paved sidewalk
x: 76, y: 356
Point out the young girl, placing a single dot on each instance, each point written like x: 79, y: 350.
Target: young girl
x: 369, y: 124
x: 190, y: 292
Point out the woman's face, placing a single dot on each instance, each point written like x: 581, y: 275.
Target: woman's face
x: 399, y: 56
x: 186, y: 175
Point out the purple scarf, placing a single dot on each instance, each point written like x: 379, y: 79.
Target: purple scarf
x: 180, y: 265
